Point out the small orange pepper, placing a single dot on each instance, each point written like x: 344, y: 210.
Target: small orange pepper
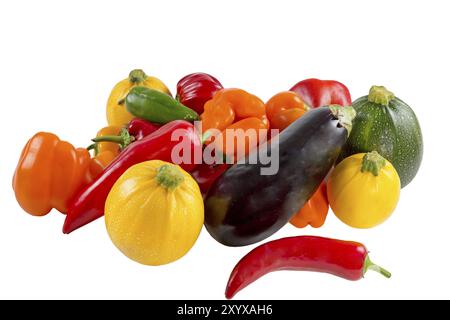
x: 284, y: 108
x: 314, y: 212
x: 104, y: 152
x: 50, y: 172
x: 108, y: 146
x: 234, y: 109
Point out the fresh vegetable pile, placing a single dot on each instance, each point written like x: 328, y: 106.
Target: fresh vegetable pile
x: 165, y: 166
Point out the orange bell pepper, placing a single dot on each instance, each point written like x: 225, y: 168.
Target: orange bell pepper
x: 284, y: 108
x: 314, y: 212
x: 234, y: 109
x: 50, y: 172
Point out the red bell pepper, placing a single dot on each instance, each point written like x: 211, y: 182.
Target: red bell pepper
x: 345, y: 259
x: 195, y: 89
x: 318, y: 93
x: 89, y: 203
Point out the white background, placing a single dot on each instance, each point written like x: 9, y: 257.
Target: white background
x: 60, y: 59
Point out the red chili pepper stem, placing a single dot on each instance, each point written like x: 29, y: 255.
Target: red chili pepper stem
x: 369, y: 265
x: 124, y: 139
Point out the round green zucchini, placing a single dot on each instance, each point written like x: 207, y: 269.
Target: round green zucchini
x: 386, y: 124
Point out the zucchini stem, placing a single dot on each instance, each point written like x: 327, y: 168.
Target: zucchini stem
x: 169, y: 176
x: 373, y: 162
x: 380, y: 95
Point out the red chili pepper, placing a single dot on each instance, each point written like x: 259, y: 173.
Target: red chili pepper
x: 345, y: 259
x: 206, y: 174
x: 89, y: 203
x: 318, y: 93
x: 195, y: 89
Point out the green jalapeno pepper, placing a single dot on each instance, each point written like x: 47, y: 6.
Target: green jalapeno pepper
x: 156, y: 106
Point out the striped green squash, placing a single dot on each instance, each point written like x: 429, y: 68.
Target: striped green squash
x: 389, y: 126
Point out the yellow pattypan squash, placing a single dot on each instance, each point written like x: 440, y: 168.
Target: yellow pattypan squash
x: 363, y: 190
x: 154, y: 212
x: 116, y: 112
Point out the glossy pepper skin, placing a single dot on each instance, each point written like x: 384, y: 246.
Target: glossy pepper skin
x: 284, y: 108
x: 206, y: 174
x: 234, y: 109
x: 243, y: 206
x: 156, y: 106
x: 345, y: 259
x: 89, y: 203
x: 50, y: 172
x: 140, y: 128
x: 314, y: 212
x: 318, y: 93
x: 195, y: 89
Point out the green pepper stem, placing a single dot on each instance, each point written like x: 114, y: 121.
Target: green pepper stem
x: 115, y: 139
x: 137, y: 76
x: 380, y: 95
x: 169, y: 176
x: 123, y: 139
x: 369, y: 265
x: 373, y: 162
x: 94, y: 147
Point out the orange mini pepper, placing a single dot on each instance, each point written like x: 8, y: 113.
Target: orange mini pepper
x: 234, y: 109
x: 50, y: 172
x: 104, y: 152
x: 284, y: 108
x: 314, y: 212
x: 106, y: 145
